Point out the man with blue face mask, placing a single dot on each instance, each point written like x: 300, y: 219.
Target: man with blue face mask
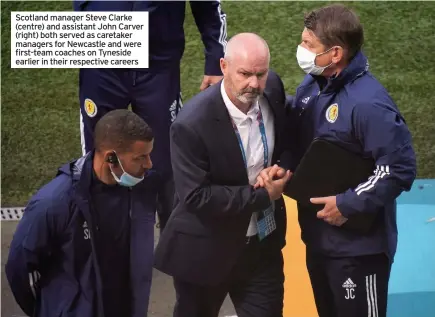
x: 339, y: 100
x: 84, y: 246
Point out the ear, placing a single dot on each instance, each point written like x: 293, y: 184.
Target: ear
x: 224, y: 65
x: 110, y: 157
x: 338, y: 54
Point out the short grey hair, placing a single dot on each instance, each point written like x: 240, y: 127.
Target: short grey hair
x: 234, y: 42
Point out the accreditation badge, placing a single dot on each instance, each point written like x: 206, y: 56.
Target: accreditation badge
x: 266, y: 221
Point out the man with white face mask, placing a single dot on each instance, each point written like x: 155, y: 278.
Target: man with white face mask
x: 339, y: 100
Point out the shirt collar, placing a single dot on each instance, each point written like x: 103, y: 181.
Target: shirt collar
x: 235, y: 113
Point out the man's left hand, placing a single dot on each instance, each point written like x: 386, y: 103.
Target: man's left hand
x: 209, y: 80
x: 330, y: 212
x: 270, y: 173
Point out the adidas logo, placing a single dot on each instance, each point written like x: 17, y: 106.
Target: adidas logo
x: 305, y: 100
x: 348, y: 284
x: 85, y: 224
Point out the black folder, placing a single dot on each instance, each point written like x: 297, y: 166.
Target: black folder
x: 327, y: 169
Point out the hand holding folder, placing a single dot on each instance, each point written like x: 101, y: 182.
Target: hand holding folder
x: 328, y: 170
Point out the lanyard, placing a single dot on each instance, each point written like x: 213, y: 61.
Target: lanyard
x: 263, y: 139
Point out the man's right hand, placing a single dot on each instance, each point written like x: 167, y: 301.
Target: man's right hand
x: 272, y: 173
x: 275, y: 187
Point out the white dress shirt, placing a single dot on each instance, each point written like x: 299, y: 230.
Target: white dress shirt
x: 248, y: 127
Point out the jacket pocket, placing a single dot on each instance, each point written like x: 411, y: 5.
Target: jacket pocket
x: 198, y: 259
x: 186, y: 226
x: 80, y: 306
x: 58, y: 297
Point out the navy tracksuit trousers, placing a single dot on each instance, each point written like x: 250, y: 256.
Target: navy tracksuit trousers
x: 154, y: 96
x: 349, y: 286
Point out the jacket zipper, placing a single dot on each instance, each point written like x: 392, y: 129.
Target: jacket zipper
x: 93, y: 221
x: 130, y: 203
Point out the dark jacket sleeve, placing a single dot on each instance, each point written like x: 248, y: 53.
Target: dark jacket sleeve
x: 289, y: 158
x: 212, y: 24
x: 383, y: 133
x: 29, y: 250
x: 192, y: 183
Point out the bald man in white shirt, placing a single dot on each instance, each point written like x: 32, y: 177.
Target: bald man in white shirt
x: 225, y: 234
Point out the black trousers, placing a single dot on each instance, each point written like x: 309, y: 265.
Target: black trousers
x: 350, y: 286
x: 255, y: 286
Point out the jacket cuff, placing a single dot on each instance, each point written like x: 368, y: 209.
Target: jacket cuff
x: 212, y: 66
x: 262, y: 199
x: 343, y: 206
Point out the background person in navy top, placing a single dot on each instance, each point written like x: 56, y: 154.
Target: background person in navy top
x: 79, y: 249
x: 216, y: 240
x: 340, y: 100
x: 153, y: 93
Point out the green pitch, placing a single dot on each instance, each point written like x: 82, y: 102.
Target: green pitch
x: 40, y: 108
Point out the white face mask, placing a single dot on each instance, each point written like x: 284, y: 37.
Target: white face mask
x: 126, y: 179
x: 307, y: 61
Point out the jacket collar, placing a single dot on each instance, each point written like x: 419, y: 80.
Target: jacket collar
x: 81, y: 171
x: 357, y: 67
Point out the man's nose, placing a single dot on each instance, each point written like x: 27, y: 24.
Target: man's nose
x: 148, y: 164
x: 254, y: 83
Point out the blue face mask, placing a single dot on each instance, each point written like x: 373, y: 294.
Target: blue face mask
x: 126, y: 179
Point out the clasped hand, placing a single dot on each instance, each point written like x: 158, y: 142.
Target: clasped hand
x: 273, y: 179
